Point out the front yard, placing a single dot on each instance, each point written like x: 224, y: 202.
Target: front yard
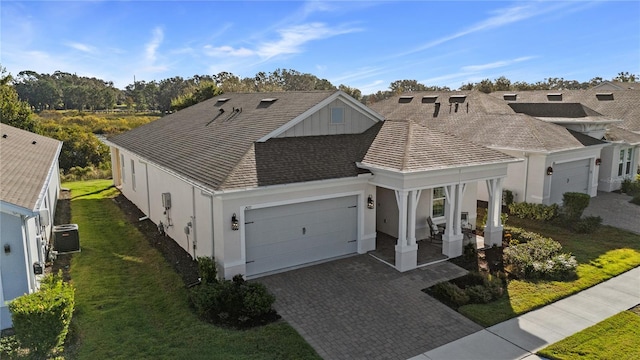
x: 130, y: 304
x: 604, y: 254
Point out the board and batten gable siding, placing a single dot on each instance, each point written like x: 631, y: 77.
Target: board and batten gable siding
x: 15, y: 278
x: 319, y: 123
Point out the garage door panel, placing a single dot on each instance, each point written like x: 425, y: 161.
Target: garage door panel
x: 290, y: 235
x: 570, y: 177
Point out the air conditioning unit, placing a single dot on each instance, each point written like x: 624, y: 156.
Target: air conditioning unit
x: 66, y: 238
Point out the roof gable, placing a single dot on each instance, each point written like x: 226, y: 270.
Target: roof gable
x: 27, y: 161
x: 207, y: 141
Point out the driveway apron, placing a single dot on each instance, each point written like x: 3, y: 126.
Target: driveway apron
x: 615, y: 210
x: 360, y: 308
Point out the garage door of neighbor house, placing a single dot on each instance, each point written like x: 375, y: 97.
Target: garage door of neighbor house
x: 569, y: 177
x: 289, y: 235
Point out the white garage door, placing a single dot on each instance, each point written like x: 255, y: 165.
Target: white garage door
x: 283, y: 236
x: 569, y: 177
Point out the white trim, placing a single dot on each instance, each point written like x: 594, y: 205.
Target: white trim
x: 356, y: 105
x: 242, y: 215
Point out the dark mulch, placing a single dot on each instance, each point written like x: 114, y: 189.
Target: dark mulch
x: 489, y: 259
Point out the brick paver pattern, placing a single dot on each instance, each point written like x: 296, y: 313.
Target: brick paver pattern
x: 360, y: 308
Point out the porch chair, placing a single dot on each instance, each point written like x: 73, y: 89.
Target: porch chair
x: 436, y: 233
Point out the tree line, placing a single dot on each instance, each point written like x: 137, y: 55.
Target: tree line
x: 62, y: 90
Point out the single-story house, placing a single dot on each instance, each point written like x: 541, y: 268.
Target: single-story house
x: 566, y: 145
x: 29, y: 188
x: 264, y: 182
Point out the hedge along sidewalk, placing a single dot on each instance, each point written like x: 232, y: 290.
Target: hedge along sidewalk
x: 130, y: 304
x: 602, y: 255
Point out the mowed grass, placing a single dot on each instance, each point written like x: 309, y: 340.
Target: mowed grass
x: 131, y: 305
x: 601, y: 341
x: 602, y: 255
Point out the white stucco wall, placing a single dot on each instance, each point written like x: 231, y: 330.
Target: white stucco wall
x: 233, y: 243
x: 608, y: 179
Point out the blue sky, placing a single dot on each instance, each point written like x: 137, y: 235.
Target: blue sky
x: 362, y: 44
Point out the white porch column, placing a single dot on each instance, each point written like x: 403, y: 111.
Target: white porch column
x: 493, y: 228
x: 414, y: 196
x: 452, y: 237
x: 406, y: 254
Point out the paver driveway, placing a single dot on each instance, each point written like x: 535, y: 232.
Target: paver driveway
x: 360, y: 308
x: 615, y: 210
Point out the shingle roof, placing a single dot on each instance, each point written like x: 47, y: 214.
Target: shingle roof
x: 207, y: 145
x: 622, y: 105
x: 481, y: 119
x: 615, y: 133
x: 297, y: 159
x: 26, y: 160
x: 409, y: 147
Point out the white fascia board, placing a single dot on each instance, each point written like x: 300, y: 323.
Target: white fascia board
x: 204, y: 188
x: 338, y: 94
x: 284, y: 188
x: 371, y: 167
x: 15, y: 210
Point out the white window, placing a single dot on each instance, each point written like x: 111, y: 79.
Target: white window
x: 133, y: 175
x: 624, y: 163
x: 337, y: 115
x: 437, y: 202
x: 122, y: 167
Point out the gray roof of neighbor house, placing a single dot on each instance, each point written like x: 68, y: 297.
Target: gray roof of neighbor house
x: 407, y: 146
x: 619, y: 105
x: 219, y: 149
x: 27, y: 161
x: 480, y: 119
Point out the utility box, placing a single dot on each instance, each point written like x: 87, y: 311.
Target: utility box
x: 166, y: 201
x: 66, y: 238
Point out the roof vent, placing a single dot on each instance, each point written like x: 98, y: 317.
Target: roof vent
x: 270, y: 100
x: 510, y: 97
x: 457, y: 98
x: 223, y: 100
x: 405, y: 99
x: 4, y: 136
x: 554, y: 96
x: 429, y: 99
x: 604, y: 96
x: 34, y: 142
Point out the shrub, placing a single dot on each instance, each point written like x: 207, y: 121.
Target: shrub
x: 631, y: 187
x: 519, y: 235
x: 479, y: 294
x: 41, y: 319
x: 207, y: 269
x: 540, y: 259
x: 574, y: 204
x: 587, y: 225
x: 231, y: 302
x: 635, y: 200
x: 507, y: 197
x: 526, y: 210
x: 450, y: 294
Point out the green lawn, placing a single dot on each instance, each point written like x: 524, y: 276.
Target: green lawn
x: 131, y: 305
x: 601, y: 341
x: 601, y: 255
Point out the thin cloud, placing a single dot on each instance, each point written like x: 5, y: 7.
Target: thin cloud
x: 223, y: 51
x: 501, y: 18
x: 81, y: 47
x: 152, y: 46
x: 293, y: 39
x: 494, y: 65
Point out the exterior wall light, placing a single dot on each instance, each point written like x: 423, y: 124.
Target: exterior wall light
x: 370, y: 202
x: 598, y: 161
x: 549, y: 170
x: 234, y: 222
x: 7, y: 248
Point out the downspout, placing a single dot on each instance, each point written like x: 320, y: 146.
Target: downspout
x: 193, y: 221
x: 27, y: 254
x: 526, y: 176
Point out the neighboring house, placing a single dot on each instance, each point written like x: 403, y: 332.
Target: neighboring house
x: 264, y: 182
x: 567, y: 146
x: 29, y: 188
x: 612, y: 116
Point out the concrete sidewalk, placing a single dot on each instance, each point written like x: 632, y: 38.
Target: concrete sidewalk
x: 521, y: 337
